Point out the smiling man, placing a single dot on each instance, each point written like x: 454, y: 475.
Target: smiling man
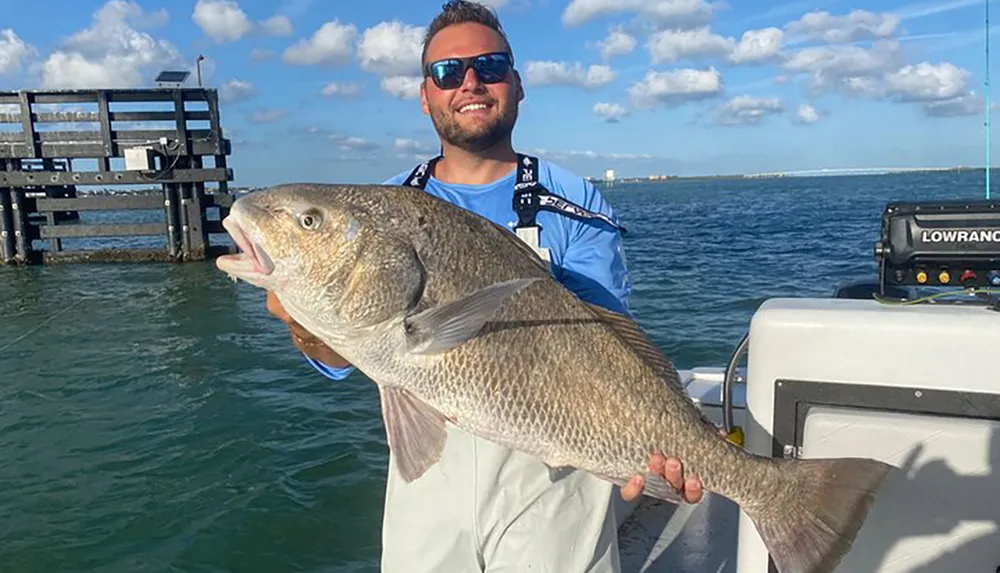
x: 484, y: 507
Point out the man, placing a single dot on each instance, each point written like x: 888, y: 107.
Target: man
x: 484, y: 507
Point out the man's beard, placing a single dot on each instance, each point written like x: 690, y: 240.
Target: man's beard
x: 478, y: 139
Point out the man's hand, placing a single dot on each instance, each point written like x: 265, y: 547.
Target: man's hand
x: 670, y: 468
x: 304, y: 340
x: 690, y: 490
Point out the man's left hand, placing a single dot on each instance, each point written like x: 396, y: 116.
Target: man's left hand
x: 690, y: 490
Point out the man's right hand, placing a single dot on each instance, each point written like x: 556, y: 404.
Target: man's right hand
x: 304, y: 340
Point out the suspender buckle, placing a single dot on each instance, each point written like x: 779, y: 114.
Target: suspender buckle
x: 529, y: 235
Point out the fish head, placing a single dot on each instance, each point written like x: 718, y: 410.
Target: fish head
x: 336, y: 256
x: 298, y: 241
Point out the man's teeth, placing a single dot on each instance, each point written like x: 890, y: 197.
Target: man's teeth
x: 471, y: 106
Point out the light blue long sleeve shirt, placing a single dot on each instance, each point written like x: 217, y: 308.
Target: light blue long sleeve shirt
x: 586, y: 256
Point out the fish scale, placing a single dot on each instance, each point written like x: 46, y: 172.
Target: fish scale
x: 457, y: 321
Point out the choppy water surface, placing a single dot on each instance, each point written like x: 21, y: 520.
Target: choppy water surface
x: 156, y: 418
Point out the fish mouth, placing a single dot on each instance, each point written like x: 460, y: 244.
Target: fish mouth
x: 251, y: 261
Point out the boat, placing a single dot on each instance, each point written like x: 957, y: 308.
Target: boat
x: 878, y: 369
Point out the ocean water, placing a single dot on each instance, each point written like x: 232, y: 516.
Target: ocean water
x: 155, y: 418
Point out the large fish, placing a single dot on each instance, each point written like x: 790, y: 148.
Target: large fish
x: 457, y: 321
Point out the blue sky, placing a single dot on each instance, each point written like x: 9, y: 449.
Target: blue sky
x: 322, y: 90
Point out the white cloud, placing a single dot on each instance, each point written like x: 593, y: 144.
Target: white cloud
x: 881, y: 72
x: 403, y: 87
x: 757, y: 46
x: 412, y: 146
x: 853, y: 70
x: 127, y: 9
x: 855, y: 26
x: 610, y: 112
x: 111, y: 52
x: 391, y: 49
x: 278, y: 25
x: 617, y: 43
x: 236, y: 90
x: 345, y: 89
x: 671, y: 45
x: 927, y: 82
x: 353, y: 143
x: 747, y: 110
x: 341, y: 141
x: 806, y: 114
x: 674, y: 12
x: 675, y: 87
x: 13, y: 51
x: 541, y: 73
x: 415, y: 149
x: 331, y: 44
x: 222, y: 20
x: 941, y: 89
x: 966, y: 104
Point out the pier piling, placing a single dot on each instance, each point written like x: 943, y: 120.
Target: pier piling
x: 146, y: 150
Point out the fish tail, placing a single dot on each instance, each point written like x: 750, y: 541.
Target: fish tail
x: 819, y: 508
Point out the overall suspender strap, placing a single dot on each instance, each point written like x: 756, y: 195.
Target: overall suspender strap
x: 530, y: 197
x: 527, y: 190
x: 421, y: 173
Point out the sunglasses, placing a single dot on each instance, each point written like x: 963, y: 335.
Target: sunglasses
x: 449, y: 74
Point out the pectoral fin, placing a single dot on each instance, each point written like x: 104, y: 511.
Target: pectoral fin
x: 441, y: 328
x: 415, y: 431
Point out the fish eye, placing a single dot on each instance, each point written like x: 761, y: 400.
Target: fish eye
x: 310, y: 220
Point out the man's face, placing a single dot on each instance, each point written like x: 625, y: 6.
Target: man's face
x: 480, y: 127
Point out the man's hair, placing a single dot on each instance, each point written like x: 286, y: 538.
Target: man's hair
x: 463, y: 12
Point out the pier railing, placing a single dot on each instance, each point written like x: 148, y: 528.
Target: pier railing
x: 42, y: 168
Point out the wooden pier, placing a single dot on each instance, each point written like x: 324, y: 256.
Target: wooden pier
x: 146, y: 138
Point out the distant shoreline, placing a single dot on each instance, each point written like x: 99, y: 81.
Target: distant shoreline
x: 776, y: 175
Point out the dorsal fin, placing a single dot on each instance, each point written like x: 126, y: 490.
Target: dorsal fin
x: 630, y: 332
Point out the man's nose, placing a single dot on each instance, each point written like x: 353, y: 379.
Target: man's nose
x: 471, y: 80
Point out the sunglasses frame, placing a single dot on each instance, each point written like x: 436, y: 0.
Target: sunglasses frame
x: 466, y: 63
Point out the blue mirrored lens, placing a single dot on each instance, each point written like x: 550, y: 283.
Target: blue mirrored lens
x: 491, y: 68
x: 448, y: 73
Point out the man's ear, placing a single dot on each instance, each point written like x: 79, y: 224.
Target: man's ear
x: 423, y: 98
x: 520, y: 89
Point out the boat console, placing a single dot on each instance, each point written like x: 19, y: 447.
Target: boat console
x: 877, y: 370
x: 946, y: 244
x: 912, y: 382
